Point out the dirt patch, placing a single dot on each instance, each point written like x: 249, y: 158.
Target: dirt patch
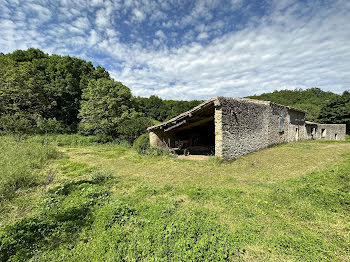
x: 194, y: 157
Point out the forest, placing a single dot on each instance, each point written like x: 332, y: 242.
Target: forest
x: 41, y: 94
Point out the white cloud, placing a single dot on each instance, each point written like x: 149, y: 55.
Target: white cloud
x: 42, y: 12
x: 302, y: 54
x: 138, y: 15
x: 82, y: 22
x: 203, y: 35
x: 93, y: 38
x: 102, y: 18
x: 293, y: 46
x: 160, y: 34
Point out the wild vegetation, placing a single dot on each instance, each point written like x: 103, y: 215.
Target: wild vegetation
x: 41, y: 94
x: 21, y: 163
x: 68, y: 197
x: 106, y: 202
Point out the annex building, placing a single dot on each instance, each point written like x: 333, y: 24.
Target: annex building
x: 232, y: 127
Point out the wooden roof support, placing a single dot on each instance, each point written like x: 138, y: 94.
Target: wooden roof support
x: 197, y: 123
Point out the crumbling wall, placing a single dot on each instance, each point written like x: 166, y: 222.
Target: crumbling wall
x: 296, y: 127
x: 247, y: 126
x: 311, y: 130
x: 244, y: 127
x: 331, y: 132
x: 278, y: 124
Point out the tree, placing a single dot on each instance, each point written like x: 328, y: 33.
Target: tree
x: 310, y: 100
x: 21, y: 96
x: 106, y: 103
x: 337, y: 111
x: 134, y: 126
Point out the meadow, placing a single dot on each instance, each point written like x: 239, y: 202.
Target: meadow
x: 70, y: 198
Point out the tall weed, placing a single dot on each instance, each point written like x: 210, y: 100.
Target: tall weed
x: 20, y: 164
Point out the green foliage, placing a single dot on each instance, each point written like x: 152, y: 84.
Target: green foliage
x: 158, y: 151
x: 134, y: 126
x: 337, y: 111
x: 310, y: 100
x: 48, y: 126
x: 65, y: 211
x: 75, y: 140
x: 158, y: 109
x: 142, y: 144
x: 20, y: 163
x: 34, y: 84
x: 27, y: 56
x: 105, y: 105
x: 161, y: 231
x: 18, y: 123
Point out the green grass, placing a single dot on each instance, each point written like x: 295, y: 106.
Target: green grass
x: 107, y: 203
x: 21, y: 163
x: 75, y: 140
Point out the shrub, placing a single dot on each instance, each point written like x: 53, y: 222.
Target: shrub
x: 17, y: 124
x: 132, y: 128
x: 158, y: 151
x: 50, y: 125
x: 141, y: 144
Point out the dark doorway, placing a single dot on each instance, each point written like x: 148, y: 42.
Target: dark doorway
x: 196, y: 140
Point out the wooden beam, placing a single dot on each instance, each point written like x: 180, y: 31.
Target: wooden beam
x: 197, y: 123
x: 175, y: 126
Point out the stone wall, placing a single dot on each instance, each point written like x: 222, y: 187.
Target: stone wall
x: 249, y: 125
x: 244, y: 127
x: 296, y: 127
x: 311, y: 130
x: 331, y: 131
x: 218, y: 131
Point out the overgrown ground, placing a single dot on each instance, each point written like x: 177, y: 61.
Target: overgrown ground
x: 94, y: 202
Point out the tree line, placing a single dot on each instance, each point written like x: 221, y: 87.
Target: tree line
x: 322, y: 107
x: 41, y: 93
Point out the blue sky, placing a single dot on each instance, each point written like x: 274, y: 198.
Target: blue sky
x: 192, y: 49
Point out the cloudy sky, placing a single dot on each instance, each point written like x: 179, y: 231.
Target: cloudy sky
x: 192, y: 49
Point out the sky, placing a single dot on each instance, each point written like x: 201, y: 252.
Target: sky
x: 192, y: 49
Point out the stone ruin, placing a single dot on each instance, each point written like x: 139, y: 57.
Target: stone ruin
x: 232, y: 127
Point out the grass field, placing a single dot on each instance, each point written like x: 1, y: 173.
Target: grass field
x: 95, y: 202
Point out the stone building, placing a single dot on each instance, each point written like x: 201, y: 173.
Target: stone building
x: 325, y: 131
x: 231, y: 127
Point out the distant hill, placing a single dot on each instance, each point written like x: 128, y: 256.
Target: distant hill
x: 311, y: 100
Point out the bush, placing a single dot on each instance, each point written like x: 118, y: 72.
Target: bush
x: 158, y: 151
x: 142, y: 144
x: 50, y: 125
x: 132, y: 128
x: 17, y: 124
